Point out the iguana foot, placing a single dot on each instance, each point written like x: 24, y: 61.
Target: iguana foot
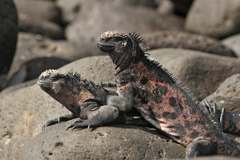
x: 79, y: 124
x: 201, y: 147
x: 58, y: 120
x: 97, y: 117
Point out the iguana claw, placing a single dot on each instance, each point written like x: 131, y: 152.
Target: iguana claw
x: 80, y: 124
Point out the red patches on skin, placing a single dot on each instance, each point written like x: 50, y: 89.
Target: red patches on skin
x: 183, y: 109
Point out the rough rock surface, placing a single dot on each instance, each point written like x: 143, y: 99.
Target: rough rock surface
x: 23, y: 116
x: 8, y: 34
x: 174, y: 39
x: 217, y: 18
x: 42, y: 19
x: 118, y: 142
x: 233, y: 42
x: 227, y: 94
x: 112, y: 16
x: 36, y: 54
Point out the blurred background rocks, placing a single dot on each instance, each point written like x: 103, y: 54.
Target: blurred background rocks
x: 196, y: 40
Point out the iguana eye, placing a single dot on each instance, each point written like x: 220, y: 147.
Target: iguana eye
x: 124, y: 43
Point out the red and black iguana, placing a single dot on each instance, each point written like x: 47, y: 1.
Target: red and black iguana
x: 144, y: 85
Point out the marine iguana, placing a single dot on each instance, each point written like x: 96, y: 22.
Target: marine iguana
x: 85, y: 100
x: 70, y: 87
x: 149, y: 88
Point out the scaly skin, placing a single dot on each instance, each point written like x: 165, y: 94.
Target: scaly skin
x: 156, y: 95
x: 84, y: 99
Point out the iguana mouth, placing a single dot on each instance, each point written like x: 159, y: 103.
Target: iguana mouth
x: 106, y: 47
x: 44, y: 83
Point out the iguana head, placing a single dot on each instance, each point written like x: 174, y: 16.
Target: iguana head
x: 123, y: 48
x: 68, y: 89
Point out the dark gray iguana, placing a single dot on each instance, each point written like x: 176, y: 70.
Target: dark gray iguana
x: 84, y: 99
x: 144, y: 85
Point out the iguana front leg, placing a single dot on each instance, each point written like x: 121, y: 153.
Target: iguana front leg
x: 60, y: 119
x: 97, y: 116
x: 125, y: 99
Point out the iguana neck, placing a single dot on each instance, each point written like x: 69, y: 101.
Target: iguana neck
x: 145, y: 68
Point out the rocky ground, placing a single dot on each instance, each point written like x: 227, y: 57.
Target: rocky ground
x: 196, y: 40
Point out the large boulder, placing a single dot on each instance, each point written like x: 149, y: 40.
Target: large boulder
x: 118, y: 142
x: 217, y: 18
x: 8, y: 34
x: 227, y: 94
x: 41, y: 17
x: 96, y: 17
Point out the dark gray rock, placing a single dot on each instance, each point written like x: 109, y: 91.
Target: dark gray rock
x: 174, y: 39
x: 8, y: 34
x: 95, y: 18
x: 217, y: 18
x: 227, y: 94
x: 41, y: 17
x: 233, y: 42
